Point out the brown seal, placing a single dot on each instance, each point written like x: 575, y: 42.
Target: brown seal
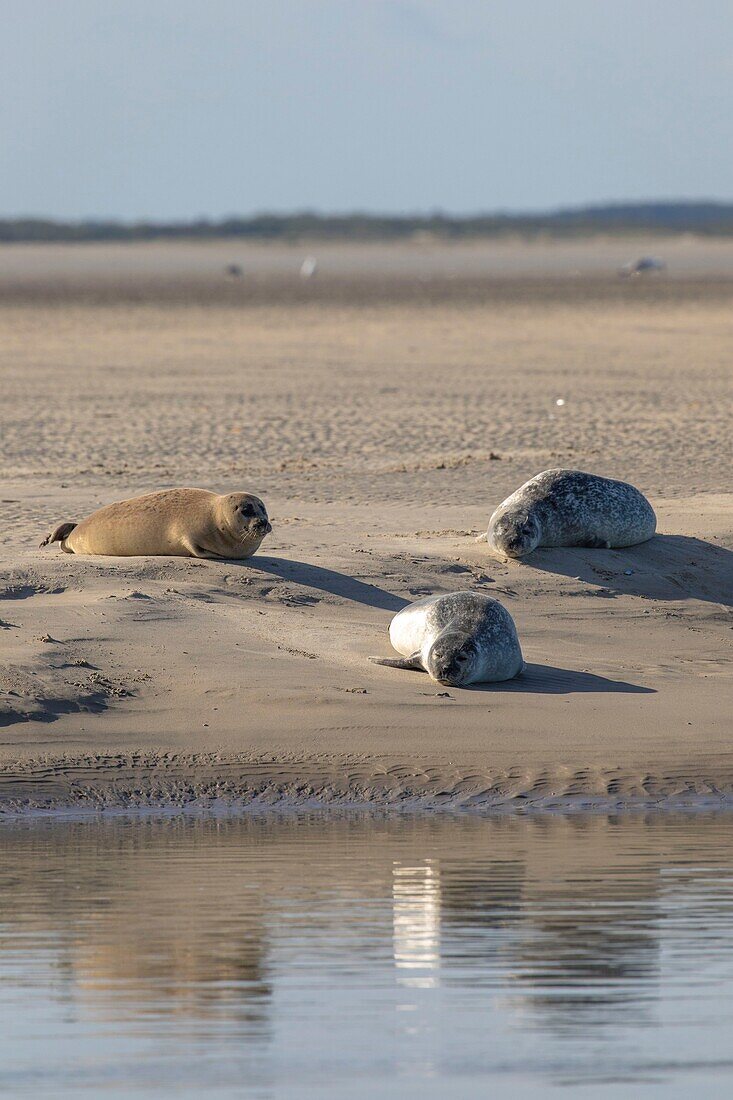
x: 184, y: 522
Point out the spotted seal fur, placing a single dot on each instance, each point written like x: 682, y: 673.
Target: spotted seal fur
x: 570, y: 508
x: 458, y: 639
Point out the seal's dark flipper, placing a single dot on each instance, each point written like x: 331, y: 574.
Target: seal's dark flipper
x: 59, y: 533
x: 413, y: 663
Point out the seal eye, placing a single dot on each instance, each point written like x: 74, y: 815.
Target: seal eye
x: 247, y: 510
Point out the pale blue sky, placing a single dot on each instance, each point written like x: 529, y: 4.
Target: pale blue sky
x: 179, y: 108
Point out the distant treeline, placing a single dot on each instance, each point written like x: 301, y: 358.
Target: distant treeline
x: 709, y: 218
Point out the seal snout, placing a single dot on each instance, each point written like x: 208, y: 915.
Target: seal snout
x: 452, y: 676
x: 515, y: 547
x: 449, y: 660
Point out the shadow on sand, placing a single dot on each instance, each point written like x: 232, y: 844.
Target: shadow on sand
x: 327, y: 580
x: 548, y: 680
x: 668, y: 567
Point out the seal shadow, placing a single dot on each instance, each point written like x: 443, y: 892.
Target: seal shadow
x: 327, y: 580
x: 548, y: 680
x: 667, y: 567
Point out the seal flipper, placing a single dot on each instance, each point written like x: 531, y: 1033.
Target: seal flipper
x: 412, y: 664
x: 595, y: 543
x: 59, y: 533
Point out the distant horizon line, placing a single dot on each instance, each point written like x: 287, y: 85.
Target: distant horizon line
x: 367, y: 212
x: 707, y: 216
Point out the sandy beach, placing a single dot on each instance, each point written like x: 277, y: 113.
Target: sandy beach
x: 382, y: 409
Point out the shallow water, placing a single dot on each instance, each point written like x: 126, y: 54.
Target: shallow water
x: 353, y: 956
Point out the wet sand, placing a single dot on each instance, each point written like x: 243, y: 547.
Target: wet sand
x: 383, y: 409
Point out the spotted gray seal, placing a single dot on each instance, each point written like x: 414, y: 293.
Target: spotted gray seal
x: 187, y: 522
x: 570, y: 508
x: 460, y: 638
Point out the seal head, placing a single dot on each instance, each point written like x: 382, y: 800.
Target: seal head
x: 516, y: 535
x: 244, y: 517
x: 452, y: 659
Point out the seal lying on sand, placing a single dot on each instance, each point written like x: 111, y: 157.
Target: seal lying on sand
x: 185, y: 522
x: 570, y: 508
x: 461, y: 638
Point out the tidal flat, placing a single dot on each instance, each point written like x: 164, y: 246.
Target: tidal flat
x: 382, y: 408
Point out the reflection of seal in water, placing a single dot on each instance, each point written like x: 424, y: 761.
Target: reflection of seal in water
x: 570, y: 508
x: 187, y: 522
x: 461, y: 638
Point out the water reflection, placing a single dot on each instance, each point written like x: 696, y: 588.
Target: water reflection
x: 238, y: 929
x: 416, y: 898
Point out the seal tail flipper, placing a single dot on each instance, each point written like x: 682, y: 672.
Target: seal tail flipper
x: 413, y: 663
x: 59, y: 533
